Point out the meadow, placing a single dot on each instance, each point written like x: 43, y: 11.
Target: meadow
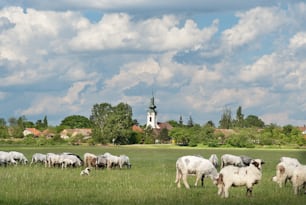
x: 149, y: 181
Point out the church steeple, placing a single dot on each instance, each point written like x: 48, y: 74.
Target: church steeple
x: 152, y: 114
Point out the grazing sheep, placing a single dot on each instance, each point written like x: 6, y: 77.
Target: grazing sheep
x: 112, y: 160
x: 18, y: 157
x: 229, y: 159
x: 284, y: 172
x: 5, y: 159
x: 73, y: 160
x: 101, y: 161
x: 38, y: 158
x: 124, y: 160
x: 239, y: 176
x: 52, y: 160
x: 90, y: 160
x: 67, y: 162
x: 214, y: 160
x: 298, y: 178
x: 86, y: 171
x: 194, y: 165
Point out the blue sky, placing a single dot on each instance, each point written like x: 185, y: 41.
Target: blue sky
x: 59, y: 58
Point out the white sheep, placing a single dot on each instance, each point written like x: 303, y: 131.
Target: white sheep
x: 124, y: 160
x: 239, y: 176
x: 18, y: 157
x: 38, y: 158
x: 284, y: 172
x: 194, y: 165
x: 290, y: 160
x: 298, y: 178
x: 229, y: 159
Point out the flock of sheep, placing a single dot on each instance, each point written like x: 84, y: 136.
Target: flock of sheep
x: 67, y: 159
x: 235, y: 170
x: 238, y: 171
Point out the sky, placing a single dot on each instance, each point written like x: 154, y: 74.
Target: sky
x: 197, y: 57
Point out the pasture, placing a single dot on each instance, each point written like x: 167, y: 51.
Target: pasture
x: 149, y: 181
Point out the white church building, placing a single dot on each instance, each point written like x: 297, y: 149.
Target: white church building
x: 152, y: 115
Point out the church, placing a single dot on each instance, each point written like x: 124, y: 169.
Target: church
x: 152, y: 120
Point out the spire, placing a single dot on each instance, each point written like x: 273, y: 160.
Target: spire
x: 152, y: 105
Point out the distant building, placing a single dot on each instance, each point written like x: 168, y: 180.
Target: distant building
x: 152, y: 115
x: 31, y: 131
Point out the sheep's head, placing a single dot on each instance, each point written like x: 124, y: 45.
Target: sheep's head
x: 257, y: 163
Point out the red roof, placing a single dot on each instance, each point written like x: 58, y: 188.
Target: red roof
x: 34, y: 131
x: 136, y: 128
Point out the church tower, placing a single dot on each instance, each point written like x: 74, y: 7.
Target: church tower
x: 152, y: 115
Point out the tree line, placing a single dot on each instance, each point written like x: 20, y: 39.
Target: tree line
x: 112, y: 124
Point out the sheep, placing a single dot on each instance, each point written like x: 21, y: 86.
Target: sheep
x: 112, y: 160
x: 18, y: 157
x: 67, y: 162
x: 52, y: 160
x: 290, y: 160
x: 38, y: 158
x: 298, y: 178
x: 228, y: 159
x: 75, y: 160
x: 101, y: 161
x: 194, y: 165
x: 90, y: 160
x: 5, y: 159
x: 246, y: 160
x: 124, y: 160
x: 284, y: 172
x: 214, y: 160
x: 239, y: 176
x: 86, y: 171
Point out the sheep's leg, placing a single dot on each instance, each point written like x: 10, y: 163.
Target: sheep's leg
x: 185, y: 181
x: 202, y: 180
x: 225, y: 191
x: 221, y: 190
x: 197, y: 179
x: 249, y: 191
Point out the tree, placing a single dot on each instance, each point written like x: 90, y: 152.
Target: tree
x: 226, y: 119
x: 112, y: 123
x: 99, y: 116
x: 254, y: 121
x: 3, y: 129
x: 239, y: 122
x: 76, y: 121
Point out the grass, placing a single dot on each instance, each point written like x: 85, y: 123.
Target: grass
x: 150, y: 181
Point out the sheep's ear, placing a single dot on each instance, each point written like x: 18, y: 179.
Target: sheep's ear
x: 262, y: 162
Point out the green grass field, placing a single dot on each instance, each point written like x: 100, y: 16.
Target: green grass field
x: 150, y: 181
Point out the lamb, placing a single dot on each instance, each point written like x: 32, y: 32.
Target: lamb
x: 86, y: 171
x: 194, y: 165
x: 284, y: 172
x: 228, y: 159
x: 298, y: 178
x: 239, y: 176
